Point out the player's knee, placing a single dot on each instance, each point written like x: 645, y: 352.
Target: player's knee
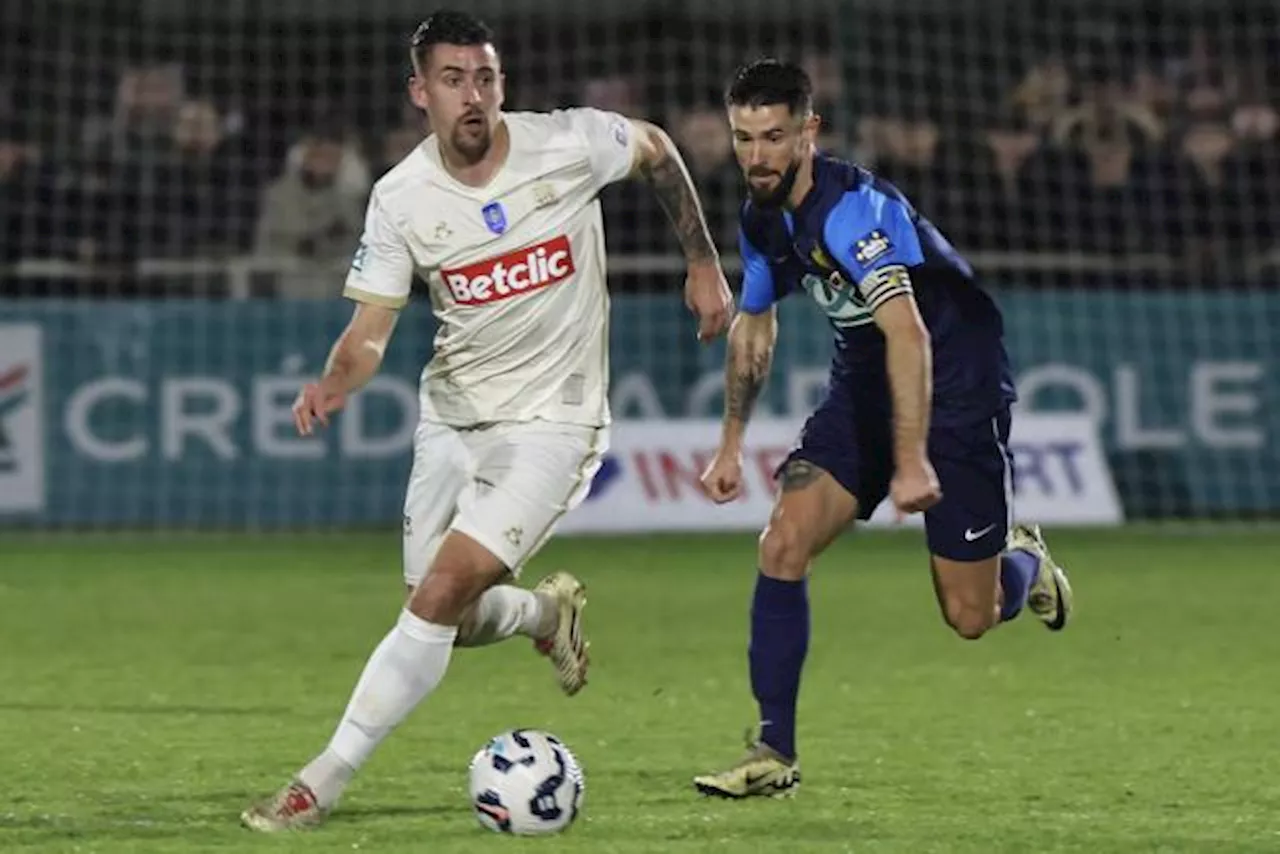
x: 444, y: 596
x: 970, y: 620
x: 458, y: 577
x: 784, y: 550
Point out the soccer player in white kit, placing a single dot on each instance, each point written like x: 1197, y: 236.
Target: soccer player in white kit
x: 498, y: 211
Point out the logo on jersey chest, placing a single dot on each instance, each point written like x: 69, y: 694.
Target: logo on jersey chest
x: 825, y: 270
x: 495, y: 217
x: 544, y: 195
x: 817, y: 256
x: 522, y: 271
x: 844, y: 306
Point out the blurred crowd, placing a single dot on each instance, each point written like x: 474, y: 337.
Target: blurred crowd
x: 1173, y: 151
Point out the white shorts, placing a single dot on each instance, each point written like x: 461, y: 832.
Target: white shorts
x: 504, y: 485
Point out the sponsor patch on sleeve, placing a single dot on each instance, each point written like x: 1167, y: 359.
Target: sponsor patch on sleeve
x: 870, y: 247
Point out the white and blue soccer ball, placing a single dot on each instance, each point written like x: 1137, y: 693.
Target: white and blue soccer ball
x: 526, y: 782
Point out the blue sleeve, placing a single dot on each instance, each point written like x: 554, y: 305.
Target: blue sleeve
x: 758, y: 291
x: 873, y: 237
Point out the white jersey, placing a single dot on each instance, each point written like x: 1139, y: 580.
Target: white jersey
x: 516, y: 269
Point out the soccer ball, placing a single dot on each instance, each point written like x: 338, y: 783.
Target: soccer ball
x: 526, y: 782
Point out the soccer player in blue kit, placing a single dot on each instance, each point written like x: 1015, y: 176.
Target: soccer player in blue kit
x: 917, y: 404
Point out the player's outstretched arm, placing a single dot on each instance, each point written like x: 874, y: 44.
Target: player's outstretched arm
x: 707, y: 294
x: 354, y: 359
x: 658, y: 161
x: 751, y: 343
x: 909, y: 362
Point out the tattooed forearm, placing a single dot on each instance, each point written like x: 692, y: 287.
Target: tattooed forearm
x: 745, y: 377
x: 666, y: 172
x: 746, y: 368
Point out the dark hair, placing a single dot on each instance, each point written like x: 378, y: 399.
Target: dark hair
x: 768, y: 81
x: 447, y: 26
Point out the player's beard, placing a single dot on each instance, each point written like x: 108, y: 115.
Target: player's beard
x: 776, y: 197
x: 470, y: 141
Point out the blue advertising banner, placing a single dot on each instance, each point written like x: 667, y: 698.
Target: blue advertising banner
x: 176, y: 413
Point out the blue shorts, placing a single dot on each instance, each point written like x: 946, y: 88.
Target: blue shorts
x: 850, y: 437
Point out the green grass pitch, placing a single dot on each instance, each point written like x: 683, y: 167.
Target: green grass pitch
x: 150, y: 686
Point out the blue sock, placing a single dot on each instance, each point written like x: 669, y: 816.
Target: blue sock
x: 779, y: 641
x: 1018, y: 569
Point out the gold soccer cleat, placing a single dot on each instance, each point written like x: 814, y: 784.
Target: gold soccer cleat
x: 292, y: 808
x: 567, y: 646
x: 1050, y: 595
x: 763, y: 772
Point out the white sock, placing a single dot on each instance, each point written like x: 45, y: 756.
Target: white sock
x: 403, y: 670
x: 506, y: 610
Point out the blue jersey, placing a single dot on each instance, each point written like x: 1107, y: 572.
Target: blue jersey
x: 855, y: 242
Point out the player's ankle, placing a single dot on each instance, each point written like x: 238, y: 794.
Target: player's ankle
x: 327, y: 777
x: 548, y: 617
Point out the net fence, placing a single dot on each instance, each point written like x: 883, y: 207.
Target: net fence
x: 182, y: 184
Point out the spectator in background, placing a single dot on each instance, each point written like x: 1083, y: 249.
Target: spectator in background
x: 983, y: 207
x: 353, y: 176
x: 209, y: 178
x: 1202, y: 77
x: 1206, y: 144
x: 830, y: 101
x: 406, y: 132
x: 617, y: 92
x: 26, y: 187
x: 1205, y: 200
x: 1044, y: 93
x: 120, y: 194
x: 1254, y: 165
x: 703, y: 137
x: 397, y: 144
x: 637, y: 223
x: 1107, y: 108
x: 1104, y: 139
x: 908, y: 155
x: 310, y: 220
x: 146, y: 104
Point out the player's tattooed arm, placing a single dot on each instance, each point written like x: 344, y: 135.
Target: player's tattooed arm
x: 660, y: 164
x: 751, y: 341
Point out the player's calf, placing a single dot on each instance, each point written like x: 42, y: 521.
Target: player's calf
x: 810, y: 511
x: 968, y: 594
x: 405, y: 667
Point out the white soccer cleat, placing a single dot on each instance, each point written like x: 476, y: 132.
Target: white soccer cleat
x: 292, y: 808
x: 1050, y: 595
x: 567, y: 646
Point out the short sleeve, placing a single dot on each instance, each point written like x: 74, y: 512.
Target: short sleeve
x: 758, y: 290
x: 873, y: 237
x: 381, y: 270
x: 611, y: 142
